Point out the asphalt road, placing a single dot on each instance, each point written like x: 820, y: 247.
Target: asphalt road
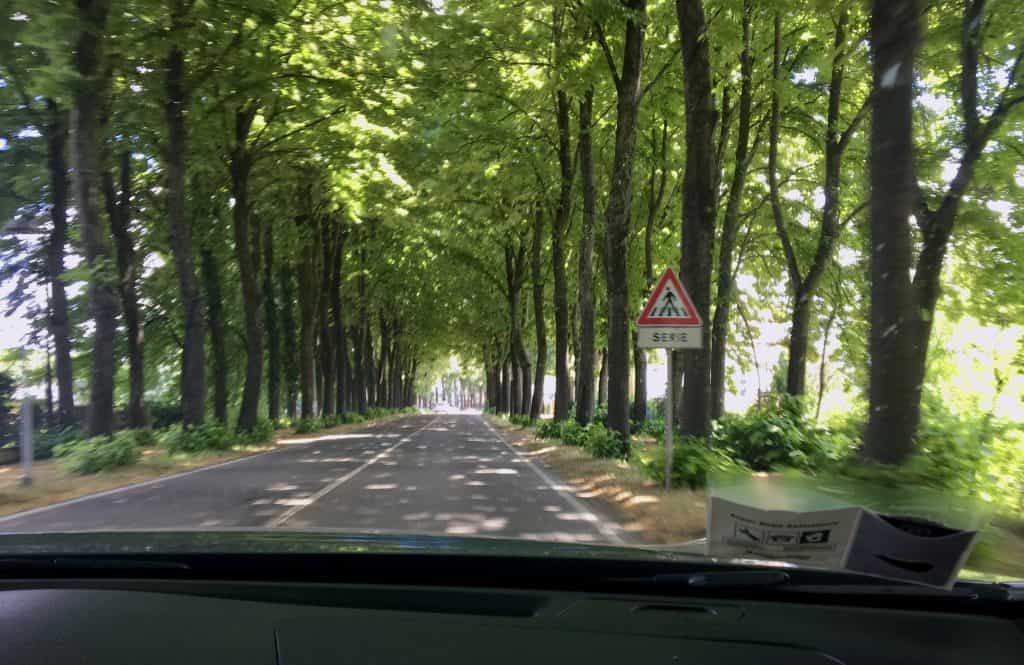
x: 437, y: 474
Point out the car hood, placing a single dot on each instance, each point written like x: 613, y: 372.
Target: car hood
x: 276, y: 541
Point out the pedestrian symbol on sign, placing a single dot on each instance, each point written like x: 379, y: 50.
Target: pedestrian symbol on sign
x: 668, y: 305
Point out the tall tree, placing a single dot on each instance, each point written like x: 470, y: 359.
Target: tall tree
x: 699, y: 199
x: 903, y: 308
x: 88, y: 88
x: 218, y: 343
x: 585, y: 278
x: 540, y: 329
x: 270, y: 313
x: 60, y: 327
x: 731, y: 220
x: 803, y: 285
x: 247, y: 237
x: 617, y: 211
x: 119, y: 212
x: 193, y: 366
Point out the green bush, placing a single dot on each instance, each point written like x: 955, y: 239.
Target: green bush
x: 777, y: 436
x: 45, y: 441
x: 692, y: 460
x: 309, y: 425
x: 164, y: 414
x: 262, y: 432
x: 182, y: 439
x: 100, y: 453
x: 522, y: 421
x: 352, y: 417
x: 602, y: 442
x: 143, y: 437
x: 572, y: 434
x: 375, y: 412
x: 601, y: 414
x: 549, y: 429
x: 648, y: 428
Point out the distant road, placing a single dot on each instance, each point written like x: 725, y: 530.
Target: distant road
x: 437, y: 474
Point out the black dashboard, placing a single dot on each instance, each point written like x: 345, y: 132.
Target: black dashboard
x: 115, y: 620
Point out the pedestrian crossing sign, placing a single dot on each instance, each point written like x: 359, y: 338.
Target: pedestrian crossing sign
x: 669, y: 305
x: 669, y: 319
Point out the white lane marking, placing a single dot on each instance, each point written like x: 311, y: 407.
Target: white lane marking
x: 334, y: 484
x: 601, y: 525
x: 146, y: 483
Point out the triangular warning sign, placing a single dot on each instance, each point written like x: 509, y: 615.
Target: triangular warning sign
x: 669, y: 305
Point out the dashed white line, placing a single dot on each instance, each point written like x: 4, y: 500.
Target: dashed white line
x: 337, y: 482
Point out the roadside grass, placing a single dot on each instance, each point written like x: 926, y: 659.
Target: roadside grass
x: 643, y: 508
x: 53, y: 483
x: 652, y: 515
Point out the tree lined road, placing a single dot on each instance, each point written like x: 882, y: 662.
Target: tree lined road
x: 436, y: 474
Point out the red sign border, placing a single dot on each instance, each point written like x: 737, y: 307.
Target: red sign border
x: 690, y: 321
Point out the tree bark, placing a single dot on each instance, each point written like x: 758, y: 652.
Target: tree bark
x: 328, y: 354
x: 699, y: 199
x: 86, y: 104
x: 289, y: 340
x: 119, y: 212
x: 585, y: 278
x: 540, y: 332
x: 617, y: 218
x: 894, y: 388
x: 193, y: 364
x: 60, y: 327
x: 307, y: 315
x: 602, y: 380
x: 559, y: 229
x: 218, y: 343
x: 247, y: 254
x: 340, y: 343
x: 271, y: 312
x: 731, y: 224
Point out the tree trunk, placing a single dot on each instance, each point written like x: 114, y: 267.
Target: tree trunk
x: 730, y: 226
x: 119, y: 212
x: 540, y: 332
x: 585, y: 279
x: 193, y: 362
x: 803, y: 288
x: 270, y: 313
x: 340, y: 348
x: 86, y: 103
x: 328, y: 354
x: 289, y: 340
x: 247, y: 242
x: 698, y: 228
x: 617, y: 219
x: 307, y: 317
x: 218, y: 344
x: 60, y: 327
x: 602, y: 378
x: 559, y: 228
x: 894, y: 387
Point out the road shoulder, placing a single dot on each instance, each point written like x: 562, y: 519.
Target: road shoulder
x: 614, y: 490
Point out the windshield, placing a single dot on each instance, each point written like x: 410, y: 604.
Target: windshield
x: 542, y: 271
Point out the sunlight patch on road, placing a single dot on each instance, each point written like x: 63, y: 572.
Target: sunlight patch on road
x: 293, y: 502
x: 497, y: 472
x: 381, y: 486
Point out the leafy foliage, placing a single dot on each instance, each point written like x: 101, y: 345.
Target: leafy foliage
x: 183, y: 439
x: 692, y: 461
x: 100, y: 453
x: 777, y: 436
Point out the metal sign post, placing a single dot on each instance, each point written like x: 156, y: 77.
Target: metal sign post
x: 26, y: 441
x: 669, y: 403
x: 669, y: 321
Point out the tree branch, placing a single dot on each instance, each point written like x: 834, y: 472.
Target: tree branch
x: 661, y: 72
x: 609, y: 58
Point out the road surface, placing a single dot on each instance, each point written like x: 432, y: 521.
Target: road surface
x: 432, y: 473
